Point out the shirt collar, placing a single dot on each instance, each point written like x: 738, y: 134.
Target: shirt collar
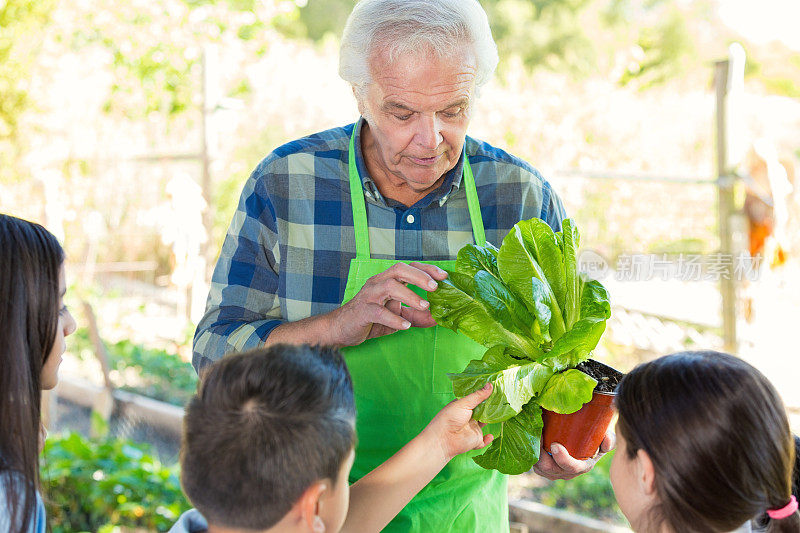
x: 190, y: 522
x: 452, y: 179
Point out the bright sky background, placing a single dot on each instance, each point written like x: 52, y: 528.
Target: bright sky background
x: 762, y: 21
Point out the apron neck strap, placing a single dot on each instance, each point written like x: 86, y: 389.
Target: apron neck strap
x: 360, y: 209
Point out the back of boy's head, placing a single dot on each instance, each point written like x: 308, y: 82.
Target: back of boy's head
x: 263, y: 427
x: 718, y: 436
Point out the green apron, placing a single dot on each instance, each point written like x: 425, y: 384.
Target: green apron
x: 400, y: 383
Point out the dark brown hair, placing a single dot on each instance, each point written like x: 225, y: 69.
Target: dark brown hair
x: 796, y: 474
x: 263, y: 427
x: 30, y: 261
x: 717, y: 433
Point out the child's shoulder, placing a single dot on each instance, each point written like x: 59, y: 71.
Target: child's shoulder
x: 190, y: 522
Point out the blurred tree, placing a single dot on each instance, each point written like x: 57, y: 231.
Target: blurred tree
x: 540, y: 32
x: 19, y: 19
x: 663, y: 44
x: 155, y: 48
x: 561, y: 35
x: 543, y: 33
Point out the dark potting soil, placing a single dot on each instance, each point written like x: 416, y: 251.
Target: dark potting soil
x: 607, y: 378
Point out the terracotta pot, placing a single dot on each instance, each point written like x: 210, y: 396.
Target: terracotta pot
x: 582, y: 431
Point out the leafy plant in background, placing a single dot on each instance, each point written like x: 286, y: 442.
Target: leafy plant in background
x: 527, y: 303
x: 155, y: 373
x: 590, y: 494
x: 97, y: 484
x: 161, y: 375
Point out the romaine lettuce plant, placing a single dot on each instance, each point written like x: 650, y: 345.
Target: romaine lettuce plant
x: 539, y: 318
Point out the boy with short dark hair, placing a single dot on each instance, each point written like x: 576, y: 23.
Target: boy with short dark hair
x: 269, y: 441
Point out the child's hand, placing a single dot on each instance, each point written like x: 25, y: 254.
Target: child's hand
x: 454, y: 430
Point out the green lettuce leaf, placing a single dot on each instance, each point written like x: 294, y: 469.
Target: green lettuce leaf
x: 528, y: 303
x: 567, y: 391
x: 540, y: 300
x: 508, y: 309
x: 530, y: 250
x: 455, y: 306
x: 515, y: 449
x: 572, y: 280
x: 473, y: 258
x: 577, y: 344
x: 514, y: 383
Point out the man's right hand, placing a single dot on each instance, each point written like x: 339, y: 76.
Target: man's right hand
x: 378, y: 309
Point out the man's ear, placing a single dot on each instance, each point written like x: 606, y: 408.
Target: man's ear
x: 646, y: 474
x: 359, y: 100
x: 310, y: 504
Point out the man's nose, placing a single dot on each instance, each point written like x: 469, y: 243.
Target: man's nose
x: 429, y: 132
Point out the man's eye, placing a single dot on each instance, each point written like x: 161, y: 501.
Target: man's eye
x: 403, y: 117
x: 453, y: 114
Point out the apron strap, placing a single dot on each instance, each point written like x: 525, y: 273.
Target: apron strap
x: 360, y: 209
x: 357, y: 200
x: 472, y: 203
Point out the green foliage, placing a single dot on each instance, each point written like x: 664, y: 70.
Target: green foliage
x: 155, y: 49
x: 155, y: 373
x: 528, y: 304
x: 319, y: 18
x: 567, y: 391
x: 561, y: 35
x: 456, y: 306
x: 590, y: 494
x: 664, y: 48
x: 19, y: 21
x: 99, y: 425
x: 543, y: 33
x: 515, y: 382
x: 516, y: 448
x: 95, y: 484
x: 161, y: 375
x: 783, y: 86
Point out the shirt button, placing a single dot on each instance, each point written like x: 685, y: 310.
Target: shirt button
x: 410, y: 219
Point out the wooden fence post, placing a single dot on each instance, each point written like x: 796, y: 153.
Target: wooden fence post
x: 104, y: 404
x: 724, y: 72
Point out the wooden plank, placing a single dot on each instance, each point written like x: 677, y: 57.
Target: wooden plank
x: 543, y: 519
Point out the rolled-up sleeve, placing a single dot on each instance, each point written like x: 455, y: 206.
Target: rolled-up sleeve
x: 243, y: 305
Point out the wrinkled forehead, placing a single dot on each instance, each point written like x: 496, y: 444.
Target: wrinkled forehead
x: 425, y: 74
x: 383, y: 56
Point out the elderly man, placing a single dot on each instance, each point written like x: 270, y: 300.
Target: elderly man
x: 332, y: 231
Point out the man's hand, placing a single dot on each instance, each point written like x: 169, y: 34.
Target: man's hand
x: 560, y: 465
x: 454, y: 431
x: 378, y: 309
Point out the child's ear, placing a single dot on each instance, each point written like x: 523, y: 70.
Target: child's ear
x: 646, y: 474
x: 310, y: 504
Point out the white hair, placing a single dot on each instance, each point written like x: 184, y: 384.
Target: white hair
x: 402, y: 27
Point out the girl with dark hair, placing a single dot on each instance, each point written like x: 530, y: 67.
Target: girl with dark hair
x: 703, y: 445
x: 33, y: 324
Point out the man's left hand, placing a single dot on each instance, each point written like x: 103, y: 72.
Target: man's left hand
x: 559, y: 464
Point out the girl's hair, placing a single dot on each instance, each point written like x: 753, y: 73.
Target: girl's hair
x: 719, y: 439
x: 30, y: 262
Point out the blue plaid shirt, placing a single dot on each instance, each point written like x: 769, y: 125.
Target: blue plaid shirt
x: 288, y: 249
